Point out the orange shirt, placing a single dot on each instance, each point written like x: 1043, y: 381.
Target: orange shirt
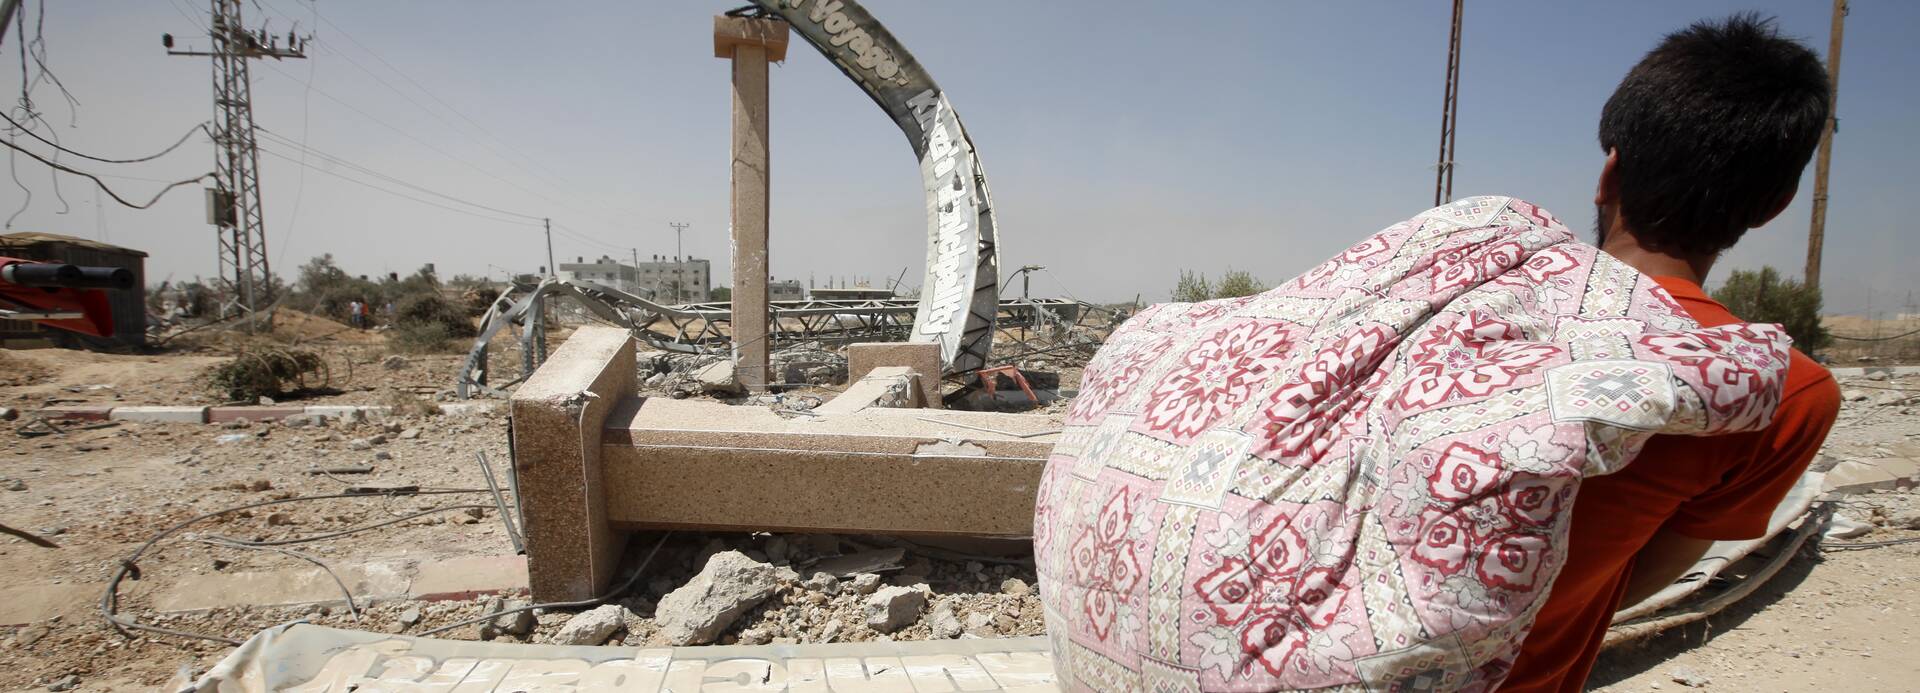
x: 1718, y: 488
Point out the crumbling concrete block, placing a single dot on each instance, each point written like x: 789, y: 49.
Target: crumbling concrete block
x: 593, y: 626
x: 893, y: 608
x: 922, y: 358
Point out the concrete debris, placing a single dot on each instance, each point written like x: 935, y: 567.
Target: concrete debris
x: 718, y: 377
x: 824, y: 583
x: 233, y: 438
x: 943, y: 623
x: 30, y: 635
x: 16, y: 485
x: 410, y: 616
x: 64, y: 683
x: 279, y: 519
x: 863, y: 583
x: 1843, y: 527
x: 893, y: 608
x: 980, y: 624
x: 1016, y: 587
x: 1905, y: 519
x: 355, y: 444
x: 517, y: 623
x: 831, y: 631
x: 729, y: 585
x: 592, y: 627
x: 410, y: 434
x: 394, y: 363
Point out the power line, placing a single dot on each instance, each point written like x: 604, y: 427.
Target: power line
x: 403, y: 196
x: 96, y: 179
x: 56, y: 145
x: 396, y: 181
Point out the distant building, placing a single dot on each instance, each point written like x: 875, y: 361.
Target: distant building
x: 129, y: 307
x: 665, y: 279
x: 858, y: 293
x: 787, y: 290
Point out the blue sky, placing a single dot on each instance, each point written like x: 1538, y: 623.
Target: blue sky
x: 1124, y: 141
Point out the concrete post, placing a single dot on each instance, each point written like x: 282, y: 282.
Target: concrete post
x: 750, y: 42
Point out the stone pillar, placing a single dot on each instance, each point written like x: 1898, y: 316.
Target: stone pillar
x: 750, y: 42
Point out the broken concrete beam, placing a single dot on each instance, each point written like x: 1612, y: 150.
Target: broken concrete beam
x: 887, y: 387
x: 557, y: 419
x: 922, y: 358
x: 159, y: 414
x: 1862, y: 476
x: 693, y: 464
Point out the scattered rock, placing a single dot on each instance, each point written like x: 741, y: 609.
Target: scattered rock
x: 410, y: 434
x: 823, y: 583
x: 831, y: 630
x: 1688, y: 677
x: 592, y: 627
x: 729, y: 585
x: 776, y: 549
x: 1853, y: 395
x: 233, y: 438
x: 656, y: 380
x: 64, y: 683
x: 893, y: 608
x: 278, y: 519
x: 9, y: 413
x: 30, y: 635
x: 410, y: 616
x: 394, y: 363
x: 518, y: 623
x: 1905, y: 519
x: 471, y: 515
x: 980, y: 624
x: 16, y: 485
x: 1016, y: 587
x: 944, y: 623
x: 864, y: 583
x: 355, y: 444
x: 266, y: 401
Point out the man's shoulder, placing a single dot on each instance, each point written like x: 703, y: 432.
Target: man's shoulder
x: 1810, y: 394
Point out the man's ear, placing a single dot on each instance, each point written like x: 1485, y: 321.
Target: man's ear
x: 1608, y: 191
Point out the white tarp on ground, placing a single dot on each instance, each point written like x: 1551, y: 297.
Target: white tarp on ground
x: 307, y: 658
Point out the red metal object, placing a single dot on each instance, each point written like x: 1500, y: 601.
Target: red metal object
x: 96, y: 316
x: 987, y: 379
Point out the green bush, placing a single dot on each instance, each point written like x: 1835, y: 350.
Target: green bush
x: 1192, y: 288
x: 419, y: 338
x: 1765, y: 296
x: 431, y: 308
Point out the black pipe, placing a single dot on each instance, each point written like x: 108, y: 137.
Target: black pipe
x: 64, y: 276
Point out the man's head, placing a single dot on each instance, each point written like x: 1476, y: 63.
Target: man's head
x: 1706, y: 137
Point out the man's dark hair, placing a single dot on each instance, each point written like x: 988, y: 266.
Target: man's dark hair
x: 1713, y: 128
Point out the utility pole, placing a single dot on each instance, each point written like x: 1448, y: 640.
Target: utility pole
x: 679, y: 232
x: 553, y: 270
x: 633, y: 288
x: 1449, y: 115
x: 1817, y: 233
x: 233, y: 206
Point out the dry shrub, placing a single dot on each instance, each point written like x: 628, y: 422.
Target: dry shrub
x: 255, y: 374
x: 402, y: 404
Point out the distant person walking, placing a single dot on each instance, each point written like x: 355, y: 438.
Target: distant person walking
x: 355, y: 314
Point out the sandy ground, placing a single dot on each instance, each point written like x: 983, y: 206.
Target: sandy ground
x: 1840, y: 620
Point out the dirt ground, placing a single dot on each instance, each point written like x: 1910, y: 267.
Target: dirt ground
x: 1841, y: 620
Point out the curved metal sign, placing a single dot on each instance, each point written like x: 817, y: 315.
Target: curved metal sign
x: 959, y: 295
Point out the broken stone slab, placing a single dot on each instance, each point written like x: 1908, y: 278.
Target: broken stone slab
x: 729, y: 585
x: 517, y: 622
x: 874, y: 561
x: 592, y: 627
x: 893, y: 608
x: 1862, y: 476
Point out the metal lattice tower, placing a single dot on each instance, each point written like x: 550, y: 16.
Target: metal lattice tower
x: 1449, y: 115
x: 233, y: 206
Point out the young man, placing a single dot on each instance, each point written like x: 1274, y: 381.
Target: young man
x: 1705, y: 139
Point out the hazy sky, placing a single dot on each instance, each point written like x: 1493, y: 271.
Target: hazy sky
x: 1123, y: 141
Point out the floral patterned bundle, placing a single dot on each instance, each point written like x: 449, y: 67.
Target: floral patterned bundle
x: 1363, y: 478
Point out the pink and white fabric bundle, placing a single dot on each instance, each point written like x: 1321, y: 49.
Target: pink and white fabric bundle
x: 1363, y: 478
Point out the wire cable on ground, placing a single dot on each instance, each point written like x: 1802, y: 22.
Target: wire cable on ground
x: 351, y: 605
x: 1867, y: 544
x: 596, y: 601
x: 355, y: 530
x: 56, y: 145
x: 130, y: 566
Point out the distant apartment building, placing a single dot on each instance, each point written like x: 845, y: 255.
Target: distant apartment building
x: 786, y: 290
x: 665, y: 279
